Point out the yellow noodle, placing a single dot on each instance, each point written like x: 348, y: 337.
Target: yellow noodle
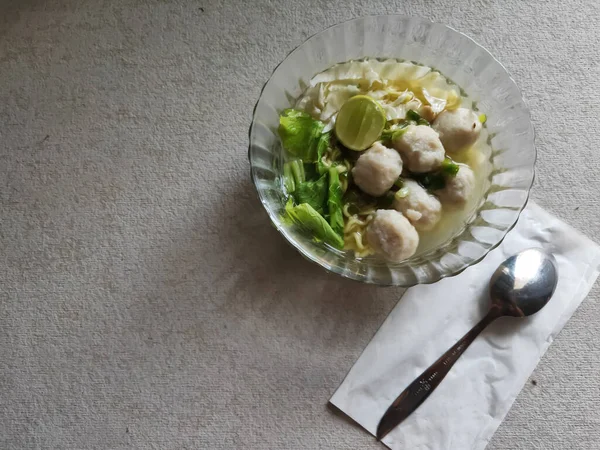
x: 362, y: 223
x: 325, y: 161
x: 363, y: 253
x: 354, y: 230
x: 344, y: 183
x: 345, y: 210
x: 350, y: 224
x: 358, y: 239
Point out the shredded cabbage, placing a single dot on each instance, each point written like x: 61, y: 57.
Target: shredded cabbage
x: 397, y: 86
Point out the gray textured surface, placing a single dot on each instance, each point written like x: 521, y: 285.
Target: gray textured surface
x: 145, y: 302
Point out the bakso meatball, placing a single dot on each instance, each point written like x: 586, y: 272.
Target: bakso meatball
x: 458, y: 129
x: 421, y: 148
x: 458, y: 188
x: 421, y: 208
x: 377, y: 169
x: 391, y: 235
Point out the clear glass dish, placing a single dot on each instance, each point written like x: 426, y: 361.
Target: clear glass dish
x: 463, y: 61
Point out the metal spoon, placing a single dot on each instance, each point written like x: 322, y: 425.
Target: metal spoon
x: 520, y: 287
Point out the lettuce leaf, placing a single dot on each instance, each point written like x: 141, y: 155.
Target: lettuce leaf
x: 313, y: 192
x: 300, y: 134
x: 310, y: 220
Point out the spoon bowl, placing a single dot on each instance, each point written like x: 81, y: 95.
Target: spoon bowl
x: 521, y: 286
x: 524, y: 283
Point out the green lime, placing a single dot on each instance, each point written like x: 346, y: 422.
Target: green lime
x: 360, y: 122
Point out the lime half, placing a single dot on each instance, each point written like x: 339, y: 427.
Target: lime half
x: 360, y: 122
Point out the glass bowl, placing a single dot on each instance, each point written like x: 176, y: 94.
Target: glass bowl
x: 463, y: 61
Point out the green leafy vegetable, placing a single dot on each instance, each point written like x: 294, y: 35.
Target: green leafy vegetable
x: 411, y: 114
x: 334, y: 202
x: 399, y: 183
x: 288, y: 178
x: 431, y: 181
x: 399, y: 132
x: 298, y: 170
x: 394, y: 132
x: 293, y: 174
x: 322, y: 147
x: 449, y: 167
x: 313, y: 192
x: 306, y: 217
x: 414, y: 116
x: 329, y: 155
x: 434, y: 181
x: 300, y: 134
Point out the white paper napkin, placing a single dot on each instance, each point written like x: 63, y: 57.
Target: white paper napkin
x: 471, y: 402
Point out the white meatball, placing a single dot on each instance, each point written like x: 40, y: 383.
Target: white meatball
x: 377, y: 169
x: 421, y: 148
x: 458, y: 188
x: 421, y: 208
x: 458, y: 129
x: 391, y: 235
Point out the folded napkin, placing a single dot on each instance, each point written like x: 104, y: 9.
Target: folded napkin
x: 471, y: 402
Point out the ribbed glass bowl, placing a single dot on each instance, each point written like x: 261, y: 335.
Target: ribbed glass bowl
x: 459, y: 58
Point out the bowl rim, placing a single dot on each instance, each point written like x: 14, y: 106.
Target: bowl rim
x: 354, y: 276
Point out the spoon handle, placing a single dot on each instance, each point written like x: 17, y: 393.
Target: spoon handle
x: 416, y: 393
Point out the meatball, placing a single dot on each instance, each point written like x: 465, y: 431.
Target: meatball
x: 458, y: 129
x: 458, y: 188
x: 421, y: 208
x: 377, y: 169
x: 391, y: 235
x: 421, y: 148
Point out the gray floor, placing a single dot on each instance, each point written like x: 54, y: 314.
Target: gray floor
x: 145, y: 302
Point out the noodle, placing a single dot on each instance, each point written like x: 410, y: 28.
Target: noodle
x: 358, y: 239
x: 344, y: 183
x: 345, y: 210
x: 354, y: 231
